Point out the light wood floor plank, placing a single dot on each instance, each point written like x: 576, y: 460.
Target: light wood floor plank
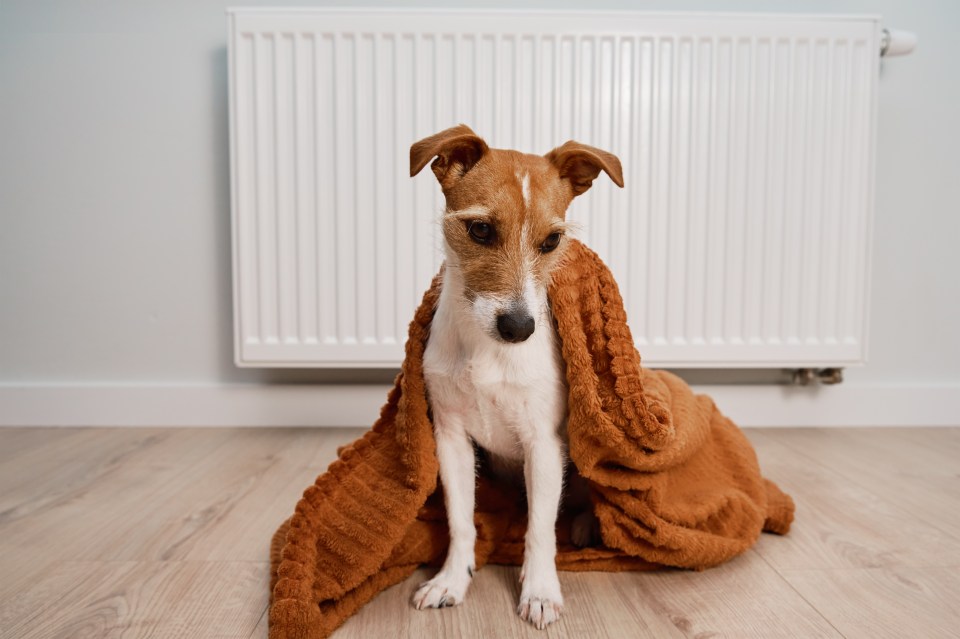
x: 119, y: 512
x: 248, y: 514
x: 240, y: 476
x: 874, y: 603
x: 141, y: 599
x: 18, y: 442
x: 46, y: 467
x: 24, y: 610
x: 916, y: 469
x: 263, y: 626
x: 840, y: 524
x: 164, y: 533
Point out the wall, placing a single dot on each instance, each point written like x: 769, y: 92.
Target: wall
x: 114, y: 218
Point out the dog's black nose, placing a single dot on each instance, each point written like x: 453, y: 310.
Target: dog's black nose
x: 515, y: 327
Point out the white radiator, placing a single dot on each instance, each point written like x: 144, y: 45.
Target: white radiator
x: 742, y: 238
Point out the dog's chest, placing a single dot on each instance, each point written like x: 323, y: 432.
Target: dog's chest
x: 500, y: 394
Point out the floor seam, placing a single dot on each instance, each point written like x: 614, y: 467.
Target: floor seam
x: 259, y: 619
x: 798, y: 593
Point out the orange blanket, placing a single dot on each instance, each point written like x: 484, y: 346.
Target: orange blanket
x: 673, y: 481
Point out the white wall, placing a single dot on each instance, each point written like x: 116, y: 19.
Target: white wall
x: 114, y: 200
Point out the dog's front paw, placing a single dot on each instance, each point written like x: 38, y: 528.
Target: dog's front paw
x: 443, y: 590
x: 540, y: 612
x: 540, y: 600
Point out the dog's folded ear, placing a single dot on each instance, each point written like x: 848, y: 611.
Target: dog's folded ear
x: 457, y: 149
x: 581, y: 164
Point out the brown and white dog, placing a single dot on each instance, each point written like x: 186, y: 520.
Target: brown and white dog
x: 492, y: 365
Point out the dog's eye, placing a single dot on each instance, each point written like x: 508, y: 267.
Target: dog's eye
x: 552, y: 241
x: 481, y: 232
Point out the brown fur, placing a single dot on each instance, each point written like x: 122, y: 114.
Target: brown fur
x: 673, y: 481
x: 474, y: 176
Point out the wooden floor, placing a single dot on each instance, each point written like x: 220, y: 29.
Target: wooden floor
x: 164, y: 533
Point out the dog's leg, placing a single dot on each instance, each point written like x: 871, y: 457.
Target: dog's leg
x: 585, y: 528
x: 458, y: 473
x: 540, y: 597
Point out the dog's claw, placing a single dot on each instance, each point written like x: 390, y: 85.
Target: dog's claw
x: 540, y: 613
x: 440, y: 592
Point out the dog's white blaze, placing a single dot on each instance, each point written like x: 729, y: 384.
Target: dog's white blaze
x: 534, y: 299
x: 534, y: 296
x: 525, y: 249
x: 525, y: 188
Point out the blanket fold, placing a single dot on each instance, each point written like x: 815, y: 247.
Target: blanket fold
x: 673, y: 481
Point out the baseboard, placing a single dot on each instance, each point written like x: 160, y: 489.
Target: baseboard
x: 358, y: 405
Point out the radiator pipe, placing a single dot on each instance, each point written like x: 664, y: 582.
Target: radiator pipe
x: 806, y: 376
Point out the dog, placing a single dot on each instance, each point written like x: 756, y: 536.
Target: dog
x: 492, y: 365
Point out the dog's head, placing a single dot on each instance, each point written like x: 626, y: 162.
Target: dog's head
x: 505, y: 220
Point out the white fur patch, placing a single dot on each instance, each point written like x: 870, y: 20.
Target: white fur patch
x: 477, y: 210
x: 485, y: 309
x: 525, y: 187
x: 534, y: 298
